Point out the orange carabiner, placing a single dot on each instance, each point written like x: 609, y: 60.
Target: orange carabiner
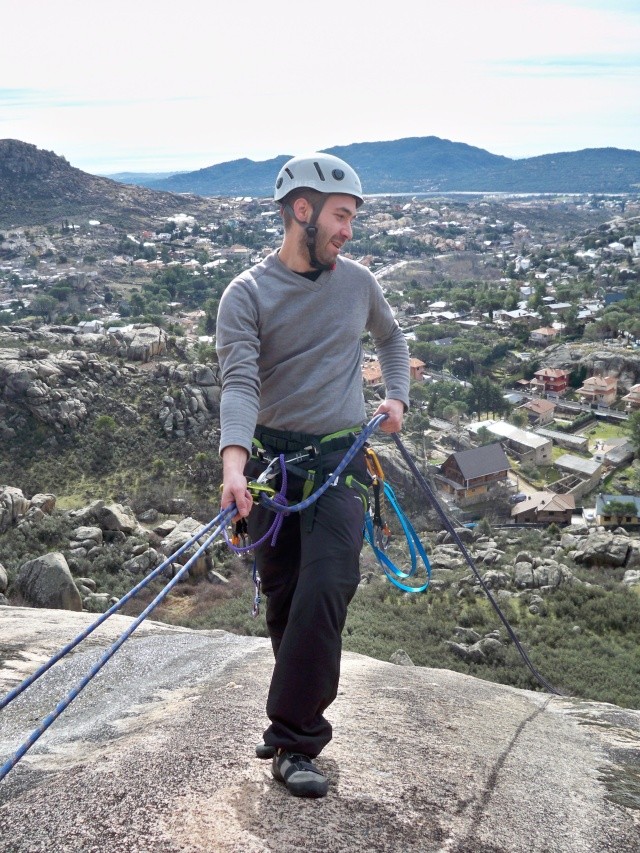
x: 373, y: 464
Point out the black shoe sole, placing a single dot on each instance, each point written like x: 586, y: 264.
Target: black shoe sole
x: 264, y: 751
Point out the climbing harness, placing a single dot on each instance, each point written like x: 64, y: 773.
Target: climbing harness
x: 376, y: 532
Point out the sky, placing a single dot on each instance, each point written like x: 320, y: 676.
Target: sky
x: 153, y: 85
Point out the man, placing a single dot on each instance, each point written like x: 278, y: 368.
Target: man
x: 289, y: 343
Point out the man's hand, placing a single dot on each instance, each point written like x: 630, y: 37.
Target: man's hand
x: 234, y: 483
x: 394, y: 409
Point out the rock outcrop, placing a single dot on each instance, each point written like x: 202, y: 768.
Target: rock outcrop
x: 614, y: 360
x: 157, y: 754
x: 48, y: 582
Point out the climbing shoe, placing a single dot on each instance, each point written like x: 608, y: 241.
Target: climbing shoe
x: 299, y: 774
x: 263, y: 750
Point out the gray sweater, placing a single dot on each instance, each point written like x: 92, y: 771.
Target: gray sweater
x: 290, y: 349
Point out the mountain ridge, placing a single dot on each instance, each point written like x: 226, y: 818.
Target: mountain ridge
x: 431, y: 164
x: 40, y: 187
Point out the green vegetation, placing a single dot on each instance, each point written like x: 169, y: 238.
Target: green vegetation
x: 586, y: 644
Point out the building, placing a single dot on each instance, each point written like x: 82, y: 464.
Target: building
x: 577, y: 443
x: 372, y: 373
x: 580, y: 476
x: 616, y: 510
x: 524, y: 445
x: 416, y: 369
x: 551, y: 381
x: 469, y: 474
x: 614, y: 452
x: 632, y: 399
x: 539, y: 412
x: 545, y: 335
x: 599, y: 390
x: 544, y: 508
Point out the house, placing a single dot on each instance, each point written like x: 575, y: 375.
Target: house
x: 539, y: 411
x: 632, y: 399
x: 544, y: 508
x: 577, y: 443
x: 544, y: 335
x: 615, y: 510
x: 599, y: 390
x: 90, y: 327
x: 524, y: 445
x: 518, y: 315
x: 614, y: 452
x: 577, y: 465
x: 372, y: 373
x: 551, y: 381
x: 469, y: 474
x: 416, y: 369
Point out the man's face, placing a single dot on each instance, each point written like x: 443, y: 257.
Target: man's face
x: 334, y: 227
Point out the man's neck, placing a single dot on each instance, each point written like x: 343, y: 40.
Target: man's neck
x: 292, y: 257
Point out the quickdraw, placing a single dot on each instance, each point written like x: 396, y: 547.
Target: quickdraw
x: 382, y: 531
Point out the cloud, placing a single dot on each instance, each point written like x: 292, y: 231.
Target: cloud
x: 612, y: 65
x: 145, y: 82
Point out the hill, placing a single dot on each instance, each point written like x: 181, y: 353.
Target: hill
x: 39, y: 187
x: 430, y: 164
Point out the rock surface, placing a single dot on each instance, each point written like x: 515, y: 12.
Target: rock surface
x: 157, y: 754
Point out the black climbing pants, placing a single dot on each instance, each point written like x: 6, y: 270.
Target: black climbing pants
x: 309, y: 577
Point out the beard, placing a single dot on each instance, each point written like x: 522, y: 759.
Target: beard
x: 325, y: 251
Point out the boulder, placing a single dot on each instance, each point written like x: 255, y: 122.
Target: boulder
x: 90, y: 535
x: 98, y: 602
x: 141, y: 342
x: 47, y: 503
x: 401, y: 658
x: 4, y: 580
x: 602, y: 548
x: 47, y: 582
x: 116, y: 517
x: 87, y: 514
x: 547, y: 574
x: 496, y: 580
x: 141, y: 564
x: 633, y: 555
x: 181, y: 534
x: 165, y: 527
x: 13, y: 505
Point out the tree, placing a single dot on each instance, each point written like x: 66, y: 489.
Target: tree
x: 519, y: 418
x: 633, y: 427
x: 45, y: 306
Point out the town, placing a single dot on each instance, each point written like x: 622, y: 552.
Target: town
x: 518, y: 310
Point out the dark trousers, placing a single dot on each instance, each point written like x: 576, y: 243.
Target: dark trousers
x: 309, y: 578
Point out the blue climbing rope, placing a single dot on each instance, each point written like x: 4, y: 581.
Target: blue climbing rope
x: 104, y: 616
x: 220, y: 523
x: 416, y: 549
x: 222, y: 519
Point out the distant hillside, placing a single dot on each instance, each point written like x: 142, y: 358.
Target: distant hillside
x: 38, y: 186
x: 430, y: 164
x: 140, y: 178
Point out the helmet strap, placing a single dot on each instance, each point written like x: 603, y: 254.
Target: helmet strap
x: 312, y: 233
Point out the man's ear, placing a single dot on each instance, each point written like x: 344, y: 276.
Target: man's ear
x: 302, y: 209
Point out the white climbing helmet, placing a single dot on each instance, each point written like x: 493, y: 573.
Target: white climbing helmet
x: 318, y: 171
